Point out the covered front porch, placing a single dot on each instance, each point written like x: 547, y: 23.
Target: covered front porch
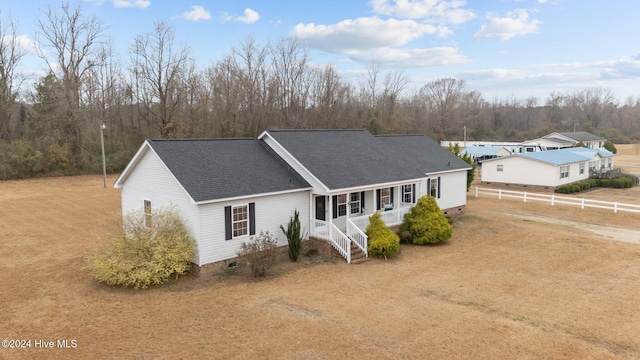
x: 342, y: 217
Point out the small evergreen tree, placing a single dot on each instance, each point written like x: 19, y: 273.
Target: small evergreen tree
x: 294, y: 237
x: 425, y: 223
x: 608, y: 145
x: 382, y: 241
x: 471, y: 174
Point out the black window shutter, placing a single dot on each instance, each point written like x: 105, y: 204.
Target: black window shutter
x: 335, y: 206
x: 413, y: 193
x: 391, y: 197
x: 429, y: 187
x: 438, y: 187
x: 378, y: 198
x: 361, y: 200
x: 228, y: 230
x: 252, y: 218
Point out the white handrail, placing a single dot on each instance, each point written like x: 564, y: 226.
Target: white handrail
x: 328, y: 231
x: 358, y: 236
x: 340, y: 242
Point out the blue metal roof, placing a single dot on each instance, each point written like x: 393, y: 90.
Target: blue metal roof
x: 566, y: 156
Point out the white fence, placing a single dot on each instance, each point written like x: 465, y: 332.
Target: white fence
x: 555, y: 199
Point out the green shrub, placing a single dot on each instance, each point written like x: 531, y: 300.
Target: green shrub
x: 604, y: 183
x: 426, y: 223
x: 564, y: 189
x: 621, y: 182
x: 608, y: 145
x: 294, y: 236
x: 261, y: 253
x: 139, y: 256
x: 592, y: 183
x: 632, y: 178
x: 382, y: 241
x: 575, y: 188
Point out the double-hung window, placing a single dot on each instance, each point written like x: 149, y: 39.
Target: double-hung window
x: 342, y: 204
x: 500, y: 168
x: 564, y: 172
x: 407, y: 194
x: 385, y: 198
x: 355, y: 203
x: 239, y: 220
x: 581, y: 168
x: 240, y: 223
x: 147, y: 213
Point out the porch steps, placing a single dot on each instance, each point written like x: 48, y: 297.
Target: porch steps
x: 357, y: 255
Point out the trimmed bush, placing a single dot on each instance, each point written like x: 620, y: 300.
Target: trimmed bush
x: 621, y: 182
x: 604, y: 183
x: 564, y: 189
x: 260, y: 252
x: 382, y: 242
x: 139, y: 255
x: 575, y: 188
x: 294, y: 237
x: 632, y: 178
x: 426, y: 223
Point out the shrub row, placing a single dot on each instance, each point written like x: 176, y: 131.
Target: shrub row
x: 623, y: 181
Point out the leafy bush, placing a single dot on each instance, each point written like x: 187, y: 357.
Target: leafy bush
x: 632, y: 178
x: 621, y: 182
x: 382, y: 241
x: 260, y: 252
x: 426, y: 223
x: 564, y: 189
x: 604, y: 183
x: 608, y: 145
x: 294, y: 237
x: 575, y: 188
x: 139, y: 255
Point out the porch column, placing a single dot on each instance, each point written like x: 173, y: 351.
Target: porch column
x: 330, y: 209
x: 312, y: 215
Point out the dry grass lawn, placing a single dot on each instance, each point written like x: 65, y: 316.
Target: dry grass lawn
x: 503, y: 287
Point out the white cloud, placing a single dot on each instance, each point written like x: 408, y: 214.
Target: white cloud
x: 23, y: 42
x: 515, y: 23
x: 442, y: 11
x: 197, y: 13
x: 410, y: 58
x: 361, y: 33
x: 250, y: 16
x: 141, y: 4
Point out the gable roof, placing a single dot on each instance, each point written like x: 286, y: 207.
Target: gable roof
x: 484, y: 150
x: 577, y: 136
x: 213, y: 169
x: 351, y: 158
x: 562, y: 156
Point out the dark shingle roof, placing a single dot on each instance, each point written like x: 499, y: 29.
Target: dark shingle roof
x: 349, y: 158
x: 581, y: 136
x: 211, y: 169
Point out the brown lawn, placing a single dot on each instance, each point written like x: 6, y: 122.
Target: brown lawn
x: 503, y: 287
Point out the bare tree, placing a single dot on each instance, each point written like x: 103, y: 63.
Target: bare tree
x: 73, y: 40
x: 158, y: 66
x: 289, y: 58
x: 11, y: 55
x: 444, y: 98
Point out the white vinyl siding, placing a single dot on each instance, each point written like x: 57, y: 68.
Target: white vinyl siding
x: 270, y: 212
x: 152, y: 181
x: 524, y: 171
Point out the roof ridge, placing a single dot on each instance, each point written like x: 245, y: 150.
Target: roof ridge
x: 205, y: 139
x: 303, y: 130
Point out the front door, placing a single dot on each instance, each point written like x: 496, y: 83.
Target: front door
x: 320, y: 208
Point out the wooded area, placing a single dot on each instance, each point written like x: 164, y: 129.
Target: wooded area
x: 53, y: 127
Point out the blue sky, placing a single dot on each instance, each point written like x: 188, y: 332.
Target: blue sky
x: 503, y: 48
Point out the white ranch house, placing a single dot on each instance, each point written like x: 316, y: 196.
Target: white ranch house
x: 228, y: 190
x: 550, y: 168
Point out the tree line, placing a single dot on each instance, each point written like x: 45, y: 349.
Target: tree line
x: 53, y: 127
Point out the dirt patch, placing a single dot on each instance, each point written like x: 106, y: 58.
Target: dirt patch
x: 501, y: 288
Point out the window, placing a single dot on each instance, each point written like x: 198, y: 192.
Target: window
x: 435, y: 188
x: 147, y: 213
x: 355, y: 203
x: 500, y: 168
x: 592, y: 165
x: 385, y: 198
x: 564, y: 172
x: 581, y: 168
x: 407, y: 194
x: 240, y: 222
x: 609, y: 163
x: 342, y: 204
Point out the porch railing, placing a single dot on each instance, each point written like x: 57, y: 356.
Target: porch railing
x: 337, y: 238
x: 390, y: 218
x: 358, y: 236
